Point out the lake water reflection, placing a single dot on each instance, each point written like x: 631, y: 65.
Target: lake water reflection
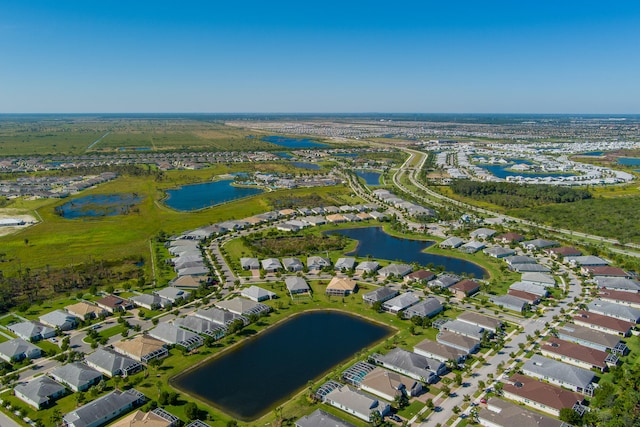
x: 269, y: 369
x: 199, y: 196
x: 375, y: 242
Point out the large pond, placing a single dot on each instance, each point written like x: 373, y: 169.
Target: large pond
x: 305, y: 165
x: 99, y: 205
x: 294, y: 143
x: 269, y: 369
x: 504, y: 171
x: 199, y: 196
x: 375, y: 242
x: 629, y: 161
x: 370, y: 178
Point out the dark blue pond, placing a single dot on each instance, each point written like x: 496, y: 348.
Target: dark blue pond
x: 305, y: 165
x: 98, y: 205
x: 346, y: 154
x: 375, y: 242
x: 270, y: 368
x: 370, y: 178
x: 284, y: 155
x: 629, y: 161
x: 285, y: 141
x: 592, y: 153
x: 199, y: 196
x: 502, y: 171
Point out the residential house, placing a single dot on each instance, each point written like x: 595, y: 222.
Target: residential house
x: 243, y: 307
x: 296, y: 285
x: 499, y: 252
x: 150, y: 302
x: 500, y: 413
x: 388, y: 385
x: 395, y: 270
x: 510, y: 302
x: 103, y: 409
x: 472, y: 247
x: 563, y: 251
x: 218, y: 316
x: 187, y: 282
x: 40, y: 392
x: 426, y: 308
x: 357, y: 403
x: 452, y: 243
x: 156, y: 418
x: 559, y: 373
x: 465, y: 288
x: 250, y: 263
x: 489, y: 323
x: 113, y: 304
x: 482, y: 233
x: 444, y: 281
x: 320, y: 418
x: 341, y: 286
x: 422, y: 276
x: 530, y: 268
x: 583, y: 261
x: 618, y: 284
x: 617, y: 311
x: 519, y: 259
x: 32, y: 331
x: 531, y: 288
x: 540, y: 395
x: 367, y: 267
x: 271, y: 265
x: 538, y: 244
x: 59, y: 319
x: 458, y: 341
x: 537, y: 278
x: 85, y: 311
x: 414, y: 365
x: 292, y: 265
x: 509, y: 238
x: 318, y: 262
x: 77, y: 376
x: 142, y: 348
x: 257, y: 294
x: 463, y: 328
x: 345, y: 264
x: 381, y: 294
x: 578, y: 355
x: 604, y: 271
x: 203, y: 326
x: 531, y: 299
x: 631, y: 299
x: 591, y: 338
x: 172, y: 294
x: 440, y: 352
x: 173, y: 335
x: 401, y: 302
x: 18, y: 349
x: 111, y: 364
x: 600, y: 322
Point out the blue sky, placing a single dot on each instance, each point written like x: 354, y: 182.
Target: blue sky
x: 320, y: 56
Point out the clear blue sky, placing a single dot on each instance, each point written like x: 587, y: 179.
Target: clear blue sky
x: 320, y: 56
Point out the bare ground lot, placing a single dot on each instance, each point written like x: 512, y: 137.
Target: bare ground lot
x: 7, y: 213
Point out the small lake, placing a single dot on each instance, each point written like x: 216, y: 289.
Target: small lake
x: 199, y: 196
x: 295, y: 143
x: 592, y: 153
x: 375, y: 242
x: 284, y: 155
x: 370, y: 178
x: 269, y: 369
x: 305, y: 165
x: 629, y: 161
x: 352, y: 155
x: 503, y: 171
x: 98, y: 205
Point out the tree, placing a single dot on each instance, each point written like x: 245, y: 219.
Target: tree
x: 430, y: 405
x: 191, y: 410
x: 570, y: 416
x: 446, y: 390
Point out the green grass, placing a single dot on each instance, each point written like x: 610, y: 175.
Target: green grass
x: 6, y: 321
x: 410, y: 410
x: 35, y: 311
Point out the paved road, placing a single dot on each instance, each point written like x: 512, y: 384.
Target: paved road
x: 5, y: 421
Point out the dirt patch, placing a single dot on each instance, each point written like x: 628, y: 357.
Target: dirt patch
x: 15, y: 214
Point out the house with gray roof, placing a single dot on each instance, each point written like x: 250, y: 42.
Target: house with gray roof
x: 203, y: 326
x: 463, y: 328
x: 356, y: 402
x: 250, y: 263
x: 395, y: 270
x: 530, y: 268
x: 173, y: 335
x: 39, y: 392
x: 460, y: 342
x: 482, y: 233
x: 529, y: 287
x: 257, y: 294
x: 425, y: 308
x: 320, y: 418
x: 499, y: 252
x: 77, y: 376
x: 444, y: 281
x: 452, y: 242
x: 489, y: 323
x: 617, y: 311
x: 510, y: 302
x: 411, y: 364
x: 537, y: 278
x: 367, y: 267
x: 243, y: 306
x: 440, y: 352
x: 193, y: 271
x: 501, y: 413
x: 173, y: 294
x: 150, y: 302
x: 472, y: 247
x: 111, y: 364
x: 586, y: 261
x: 104, y: 409
x: 559, y: 373
x: 381, y: 294
x: 18, y: 349
x: 60, y: 319
x: 32, y: 331
x: 538, y: 244
x: 218, y: 316
x: 271, y: 265
x: 520, y: 259
x: 314, y: 220
x: 618, y: 284
x: 296, y: 285
x: 345, y: 264
x: 401, y: 302
x: 317, y: 262
x: 591, y: 338
x: 292, y: 265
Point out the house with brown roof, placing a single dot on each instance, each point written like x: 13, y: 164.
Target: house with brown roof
x: 531, y: 299
x: 500, y: 413
x: 387, y: 384
x: 143, y: 419
x: 465, y: 288
x: 420, y: 276
x: 631, y: 299
x: 509, y: 238
x: 142, y: 348
x: 341, y: 286
x: 113, y: 303
x: 578, y: 355
x: 602, y: 323
x: 604, y: 271
x: 563, y: 251
x: 85, y: 311
x: 336, y: 218
x: 540, y: 395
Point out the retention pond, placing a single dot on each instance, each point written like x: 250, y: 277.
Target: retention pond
x: 270, y: 368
